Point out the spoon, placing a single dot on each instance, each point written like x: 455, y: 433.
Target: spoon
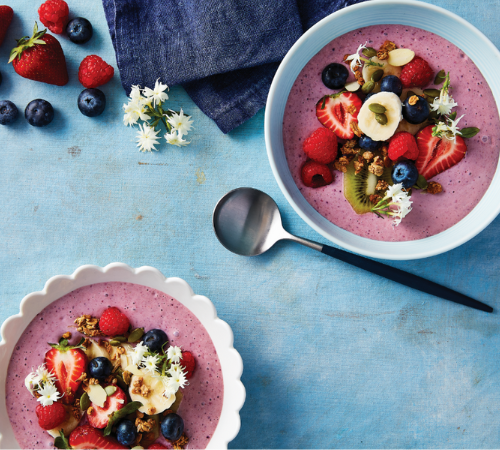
x: 248, y: 222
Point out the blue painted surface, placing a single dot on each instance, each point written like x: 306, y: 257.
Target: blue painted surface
x: 334, y: 357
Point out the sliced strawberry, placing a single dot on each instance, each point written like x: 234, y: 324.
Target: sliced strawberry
x: 99, y: 417
x: 339, y: 112
x: 447, y: 154
x: 67, y: 363
x: 87, y: 437
x: 426, y: 143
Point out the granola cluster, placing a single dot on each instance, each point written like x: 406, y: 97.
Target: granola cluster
x: 88, y: 325
x: 139, y: 388
x: 385, y: 48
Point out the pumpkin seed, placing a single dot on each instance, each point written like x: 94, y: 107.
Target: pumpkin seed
x: 432, y: 92
x: 440, y: 77
x: 377, y: 108
x: 115, y: 343
x: 369, y: 52
x: 120, y: 338
x: 368, y: 87
x: 377, y: 75
x: 110, y: 390
x: 381, y: 119
x: 136, y: 334
x: 84, y: 401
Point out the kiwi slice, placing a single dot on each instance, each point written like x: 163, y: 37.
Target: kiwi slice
x: 358, y: 188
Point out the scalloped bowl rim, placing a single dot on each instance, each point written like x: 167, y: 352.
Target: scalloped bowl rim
x: 219, y: 331
x: 454, y: 29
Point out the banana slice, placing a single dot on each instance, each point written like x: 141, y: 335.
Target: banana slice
x: 415, y: 90
x: 125, y: 358
x: 155, y: 402
x: 94, y: 350
x: 386, y: 67
x: 369, y: 125
x: 69, y: 424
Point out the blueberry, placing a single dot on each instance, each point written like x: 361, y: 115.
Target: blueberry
x: 154, y: 340
x: 172, y: 427
x: 368, y: 96
x: 100, y: 368
x: 39, y: 113
x: 391, y: 83
x: 334, y: 76
x: 79, y: 30
x: 8, y: 112
x: 126, y: 432
x: 406, y: 173
x: 368, y: 143
x: 91, y: 102
x: 418, y: 112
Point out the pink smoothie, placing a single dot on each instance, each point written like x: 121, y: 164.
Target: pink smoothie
x: 464, y: 184
x: 145, y: 307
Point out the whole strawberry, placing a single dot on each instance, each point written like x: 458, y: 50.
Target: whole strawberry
x: 188, y: 362
x: 94, y: 72
x: 6, y: 14
x: 54, y: 15
x: 113, y: 322
x: 40, y: 58
x: 321, y: 146
x: 417, y: 73
x: 50, y: 416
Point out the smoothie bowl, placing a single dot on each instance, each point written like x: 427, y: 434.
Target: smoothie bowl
x: 135, y: 359
x: 389, y: 99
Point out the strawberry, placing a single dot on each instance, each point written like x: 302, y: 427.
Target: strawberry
x: 339, y: 112
x: 94, y: 72
x: 87, y: 437
x: 99, y: 417
x: 40, y: 58
x: 316, y: 175
x: 113, y: 322
x: 188, y: 362
x: 67, y: 363
x: 50, y: 416
x: 437, y: 154
x: 54, y: 15
x: 417, y: 73
x: 321, y: 146
x: 6, y: 14
x: 403, y: 145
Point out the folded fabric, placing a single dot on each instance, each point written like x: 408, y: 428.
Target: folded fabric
x: 224, y: 52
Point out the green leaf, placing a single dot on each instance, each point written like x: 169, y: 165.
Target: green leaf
x: 453, y: 115
x: 129, y: 408
x: 469, y: 132
x: 421, y: 183
x: 61, y: 441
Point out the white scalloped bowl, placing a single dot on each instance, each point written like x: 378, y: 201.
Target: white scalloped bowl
x: 219, y: 331
x: 405, y: 12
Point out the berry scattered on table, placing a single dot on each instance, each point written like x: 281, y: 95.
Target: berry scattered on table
x: 100, y: 368
x: 403, y: 145
x: 94, y: 72
x: 99, y: 417
x: 416, y: 73
x: 79, y: 30
x: 172, y: 427
x: 6, y: 15
x: 126, y: 432
x: 334, y: 76
x: 154, y: 339
x: 416, y: 109
x: 339, y: 113
x: 188, y: 362
x: 87, y: 437
x: 39, y: 113
x: 8, y: 112
x: 40, y: 62
x: 406, y: 173
x: 54, y: 14
x: 391, y: 83
x: 321, y: 146
x: 91, y: 102
x: 367, y: 143
x: 50, y: 416
x: 316, y: 175
x: 113, y: 322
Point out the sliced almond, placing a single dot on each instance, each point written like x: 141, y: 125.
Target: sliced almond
x: 400, y: 57
x: 353, y: 86
x: 97, y: 395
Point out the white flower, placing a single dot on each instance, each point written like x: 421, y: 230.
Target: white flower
x: 179, y: 380
x: 135, y: 93
x: 170, y: 386
x: 355, y: 58
x: 174, y: 354
x: 48, y: 395
x: 157, y: 94
x: 44, y: 376
x: 174, y: 139
x: 444, y: 103
x: 150, y: 363
x: 147, y: 138
x: 452, y: 128
x: 448, y: 130
x: 130, y: 118
x: 395, y: 191
x: 175, y: 369
x: 180, y: 122
x: 138, y: 353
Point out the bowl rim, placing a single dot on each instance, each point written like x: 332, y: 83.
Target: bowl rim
x: 218, y: 330
x: 403, y: 250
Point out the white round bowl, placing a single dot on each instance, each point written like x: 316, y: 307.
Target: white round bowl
x: 412, y: 13
x: 201, y: 307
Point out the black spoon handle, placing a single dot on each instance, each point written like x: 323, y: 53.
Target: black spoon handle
x: 405, y: 278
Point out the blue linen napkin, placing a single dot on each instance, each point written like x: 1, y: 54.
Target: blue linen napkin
x: 223, y: 52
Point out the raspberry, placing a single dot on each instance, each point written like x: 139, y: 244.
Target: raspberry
x: 315, y: 174
x: 417, y: 73
x: 113, y: 322
x: 50, y: 416
x: 188, y: 362
x: 94, y: 72
x: 321, y: 146
x: 54, y: 14
x: 403, y: 144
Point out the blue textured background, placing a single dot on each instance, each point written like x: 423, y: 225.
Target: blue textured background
x: 334, y: 357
